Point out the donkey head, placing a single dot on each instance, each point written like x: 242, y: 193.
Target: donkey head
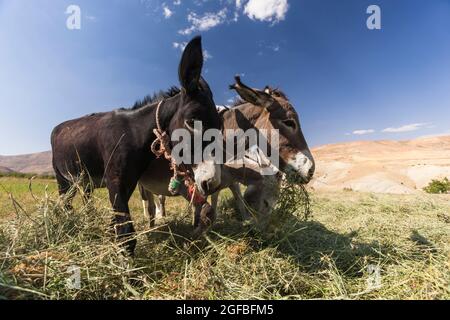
x: 196, y: 105
x: 275, y: 112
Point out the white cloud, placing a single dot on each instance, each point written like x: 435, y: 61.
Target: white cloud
x: 442, y: 134
x: 237, y: 9
x: 272, y: 11
x: 275, y: 48
x: 236, y: 16
x: 182, y: 45
x: 267, y: 10
x: 179, y: 45
x: 265, y: 46
x: 204, y: 23
x: 206, y: 55
x: 363, y: 132
x: 406, y: 128
x: 167, y: 12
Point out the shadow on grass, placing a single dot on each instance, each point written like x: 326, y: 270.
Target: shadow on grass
x: 422, y: 243
x: 306, y: 242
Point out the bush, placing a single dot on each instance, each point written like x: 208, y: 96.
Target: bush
x: 438, y: 187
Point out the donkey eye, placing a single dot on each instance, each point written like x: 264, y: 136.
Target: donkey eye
x: 290, y: 123
x: 190, y: 124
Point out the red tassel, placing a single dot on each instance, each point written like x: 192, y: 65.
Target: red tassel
x: 198, y: 198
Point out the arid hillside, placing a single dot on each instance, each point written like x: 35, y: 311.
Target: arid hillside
x: 398, y: 167
x: 38, y: 163
x: 5, y: 170
x: 382, y: 166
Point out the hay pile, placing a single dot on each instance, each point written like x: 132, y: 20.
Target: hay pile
x: 41, y: 251
x: 332, y: 256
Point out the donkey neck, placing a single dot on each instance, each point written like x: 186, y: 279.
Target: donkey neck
x: 144, y: 118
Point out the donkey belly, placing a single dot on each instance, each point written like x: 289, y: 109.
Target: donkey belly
x: 75, y: 150
x: 156, y: 178
x: 86, y: 167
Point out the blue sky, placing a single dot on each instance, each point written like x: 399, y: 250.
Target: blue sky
x: 347, y: 82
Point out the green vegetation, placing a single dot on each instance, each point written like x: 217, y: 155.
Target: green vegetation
x: 354, y: 246
x: 438, y: 186
x: 25, y: 175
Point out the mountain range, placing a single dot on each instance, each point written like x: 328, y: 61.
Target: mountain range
x: 387, y: 166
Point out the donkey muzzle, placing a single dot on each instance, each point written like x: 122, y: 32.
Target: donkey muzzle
x: 207, y: 177
x: 301, y: 167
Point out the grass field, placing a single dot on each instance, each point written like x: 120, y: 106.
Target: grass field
x: 354, y: 246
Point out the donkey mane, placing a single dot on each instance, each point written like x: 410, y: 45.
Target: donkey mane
x: 155, y: 97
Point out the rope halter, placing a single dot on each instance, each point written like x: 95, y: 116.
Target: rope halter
x: 161, y: 147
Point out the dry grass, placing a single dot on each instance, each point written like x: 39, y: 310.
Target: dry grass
x: 331, y: 255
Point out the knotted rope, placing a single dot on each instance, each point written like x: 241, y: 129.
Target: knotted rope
x: 161, y: 147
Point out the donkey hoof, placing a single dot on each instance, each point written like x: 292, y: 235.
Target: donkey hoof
x: 128, y: 243
x: 130, y: 246
x: 199, y: 232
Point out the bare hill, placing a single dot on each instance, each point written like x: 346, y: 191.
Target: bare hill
x: 382, y: 166
x: 5, y: 170
x: 38, y: 163
x: 371, y: 166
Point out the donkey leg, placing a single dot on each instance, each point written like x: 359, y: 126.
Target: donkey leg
x: 204, y: 218
x: 144, y: 207
x: 148, y: 205
x: 87, y: 193
x: 144, y: 197
x: 122, y: 223
x: 151, y: 208
x: 160, y: 203
x: 65, y: 190
x: 204, y: 214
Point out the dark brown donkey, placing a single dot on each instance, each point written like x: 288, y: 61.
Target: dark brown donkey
x: 113, y: 148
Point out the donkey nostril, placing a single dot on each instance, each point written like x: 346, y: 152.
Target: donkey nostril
x: 311, y: 172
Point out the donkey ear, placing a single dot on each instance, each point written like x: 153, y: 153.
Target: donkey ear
x: 205, y: 86
x: 191, y: 65
x: 256, y: 97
